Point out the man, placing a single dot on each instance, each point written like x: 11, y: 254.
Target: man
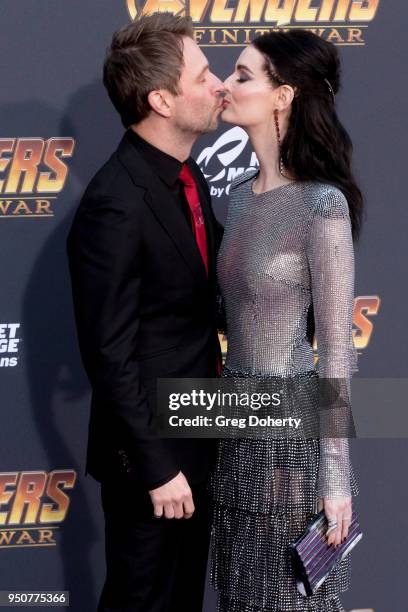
x: 142, y: 252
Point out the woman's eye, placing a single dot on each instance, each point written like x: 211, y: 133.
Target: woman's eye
x: 242, y: 79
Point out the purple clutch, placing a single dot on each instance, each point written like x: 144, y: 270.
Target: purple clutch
x: 314, y: 559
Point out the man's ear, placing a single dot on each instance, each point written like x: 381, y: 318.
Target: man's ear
x: 159, y: 101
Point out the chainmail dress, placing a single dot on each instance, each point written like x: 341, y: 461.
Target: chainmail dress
x: 284, y: 252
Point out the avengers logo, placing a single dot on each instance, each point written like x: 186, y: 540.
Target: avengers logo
x: 32, y: 172
x: 32, y: 506
x: 342, y: 22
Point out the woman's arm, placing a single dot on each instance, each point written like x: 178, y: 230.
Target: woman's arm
x: 331, y: 262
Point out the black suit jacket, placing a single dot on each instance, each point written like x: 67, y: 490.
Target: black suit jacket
x: 144, y: 309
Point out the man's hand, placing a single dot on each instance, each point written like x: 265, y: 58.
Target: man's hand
x: 173, y: 499
x: 337, y: 510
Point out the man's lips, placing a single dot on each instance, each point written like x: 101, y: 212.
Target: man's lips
x: 223, y: 104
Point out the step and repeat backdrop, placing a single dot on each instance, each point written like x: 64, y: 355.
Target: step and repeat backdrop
x: 56, y: 128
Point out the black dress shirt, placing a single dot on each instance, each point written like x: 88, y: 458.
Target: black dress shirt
x: 167, y: 169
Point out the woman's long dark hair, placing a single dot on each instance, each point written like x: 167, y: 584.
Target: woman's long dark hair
x: 316, y: 145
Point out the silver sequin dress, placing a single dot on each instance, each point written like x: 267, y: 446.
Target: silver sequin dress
x: 282, y: 251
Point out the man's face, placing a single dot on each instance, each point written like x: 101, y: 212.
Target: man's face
x: 199, y: 104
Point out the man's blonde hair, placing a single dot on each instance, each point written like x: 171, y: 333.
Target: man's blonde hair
x: 144, y: 55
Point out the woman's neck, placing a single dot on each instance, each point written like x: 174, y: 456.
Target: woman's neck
x: 264, y: 143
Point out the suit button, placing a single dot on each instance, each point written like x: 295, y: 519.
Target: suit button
x: 123, y: 457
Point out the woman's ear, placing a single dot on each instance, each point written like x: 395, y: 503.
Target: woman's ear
x: 285, y: 95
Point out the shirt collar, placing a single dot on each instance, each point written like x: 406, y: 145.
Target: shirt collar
x: 165, y: 166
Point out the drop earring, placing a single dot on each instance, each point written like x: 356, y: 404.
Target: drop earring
x: 276, y: 116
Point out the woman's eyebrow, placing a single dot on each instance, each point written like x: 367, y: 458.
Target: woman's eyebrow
x: 243, y: 67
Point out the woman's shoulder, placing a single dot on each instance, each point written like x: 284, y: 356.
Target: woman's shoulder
x: 327, y: 200
x: 238, y: 182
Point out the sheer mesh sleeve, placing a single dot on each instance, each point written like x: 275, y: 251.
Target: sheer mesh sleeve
x: 331, y: 263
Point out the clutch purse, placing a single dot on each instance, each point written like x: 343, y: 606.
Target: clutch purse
x: 313, y: 559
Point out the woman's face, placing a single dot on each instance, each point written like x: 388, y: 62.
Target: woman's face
x: 250, y: 97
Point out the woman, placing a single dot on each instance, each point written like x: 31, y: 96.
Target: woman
x: 286, y: 272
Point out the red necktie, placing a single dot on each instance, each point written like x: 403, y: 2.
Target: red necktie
x: 190, y: 189
x: 197, y: 219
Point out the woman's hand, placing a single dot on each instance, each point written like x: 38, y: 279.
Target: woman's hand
x: 337, y: 509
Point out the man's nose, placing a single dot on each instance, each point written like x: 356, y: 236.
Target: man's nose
x: 219, y: 86
x: 227, y: 82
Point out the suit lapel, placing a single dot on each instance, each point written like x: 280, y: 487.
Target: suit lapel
x: 173, y: 221
x: 159, y: 200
